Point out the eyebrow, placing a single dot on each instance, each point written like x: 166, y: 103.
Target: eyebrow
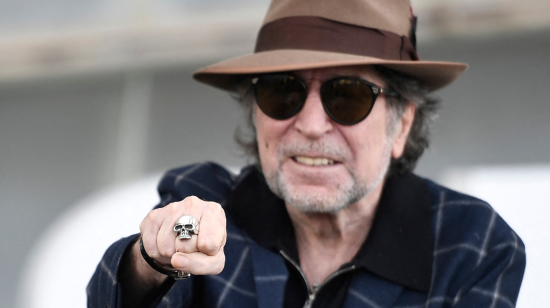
x: 332, y: 76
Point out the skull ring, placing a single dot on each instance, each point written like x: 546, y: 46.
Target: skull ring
x: 186, y: 226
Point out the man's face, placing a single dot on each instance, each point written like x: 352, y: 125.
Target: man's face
x: 318, y: 165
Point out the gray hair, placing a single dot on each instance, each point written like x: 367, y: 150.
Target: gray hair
x: 409, y: 90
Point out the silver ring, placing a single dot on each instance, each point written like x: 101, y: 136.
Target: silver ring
x: 185, y: 227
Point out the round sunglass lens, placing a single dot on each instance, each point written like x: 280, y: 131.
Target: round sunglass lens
x: 280, y: 96
x: 347, y: 101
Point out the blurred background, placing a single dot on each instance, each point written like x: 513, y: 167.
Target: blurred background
x: 97, y: 100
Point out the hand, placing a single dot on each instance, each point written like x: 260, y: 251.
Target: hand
x: 203, y: 253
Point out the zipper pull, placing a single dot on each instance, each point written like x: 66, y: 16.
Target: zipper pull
x: 310, y: 300
x: 315, y: 287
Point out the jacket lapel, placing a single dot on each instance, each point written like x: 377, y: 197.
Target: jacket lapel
x: 368, y: 290
x: 270, y: 276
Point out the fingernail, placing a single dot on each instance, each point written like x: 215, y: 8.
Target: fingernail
x: 179, y: 261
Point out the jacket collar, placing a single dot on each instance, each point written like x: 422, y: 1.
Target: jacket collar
x: 399, y: 247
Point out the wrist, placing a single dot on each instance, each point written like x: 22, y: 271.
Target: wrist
x: 141, y: 285
x: 143, y: 271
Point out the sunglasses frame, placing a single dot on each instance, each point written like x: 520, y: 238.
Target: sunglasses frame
x: 376, y: 91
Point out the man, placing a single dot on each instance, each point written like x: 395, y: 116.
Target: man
x: 331, y: 216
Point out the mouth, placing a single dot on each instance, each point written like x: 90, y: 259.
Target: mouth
x: 314, y: 161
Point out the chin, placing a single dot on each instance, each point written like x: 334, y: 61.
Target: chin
x: 316, y: 205
x: 311, y: 199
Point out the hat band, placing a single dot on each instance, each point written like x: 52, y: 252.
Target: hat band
x: 321, y: 34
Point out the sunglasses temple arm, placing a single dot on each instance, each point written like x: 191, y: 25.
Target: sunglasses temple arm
x: 388, y: 92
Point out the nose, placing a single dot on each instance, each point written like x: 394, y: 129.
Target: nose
x: 312, y: 121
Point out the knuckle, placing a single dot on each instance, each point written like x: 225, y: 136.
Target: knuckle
x: 214, y: 207
x: 207, y: 246
x: 194, y: 198
x: 216, y: 211
x: 220, y: 212
x: 218, y: 268
x: 148, y: 219
x: 152, y: 218
x: 192, y: 201
x: 154, y: 214
x: 166, y: 250
x: 174, y: 206
x: 151, y: 221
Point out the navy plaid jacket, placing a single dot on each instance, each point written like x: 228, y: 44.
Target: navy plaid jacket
x: 478, y: 261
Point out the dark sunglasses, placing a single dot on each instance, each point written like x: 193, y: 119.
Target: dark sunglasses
x: 346, y: 100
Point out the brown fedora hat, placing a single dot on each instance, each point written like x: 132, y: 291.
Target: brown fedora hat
x: 308, y: 34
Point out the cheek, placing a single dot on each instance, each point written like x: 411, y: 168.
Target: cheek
x: 264, y: 146
x: 368, y: 142
x: 263, y: 132
x: 268, y: 136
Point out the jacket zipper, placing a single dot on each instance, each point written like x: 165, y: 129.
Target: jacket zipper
x: 313, y: 293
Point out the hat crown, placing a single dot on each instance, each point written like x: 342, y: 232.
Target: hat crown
x: 389, y: 15
x: 312, y: 34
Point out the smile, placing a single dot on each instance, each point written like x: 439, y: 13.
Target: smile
x: 311, y: 161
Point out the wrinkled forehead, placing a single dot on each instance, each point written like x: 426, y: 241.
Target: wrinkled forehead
x: 365, y: 72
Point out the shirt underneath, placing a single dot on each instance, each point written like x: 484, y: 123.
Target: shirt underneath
x: 398, y: 247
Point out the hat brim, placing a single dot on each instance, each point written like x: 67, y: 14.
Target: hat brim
x: 227, y: 74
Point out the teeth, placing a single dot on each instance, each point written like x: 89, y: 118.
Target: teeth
x: 314, y: 161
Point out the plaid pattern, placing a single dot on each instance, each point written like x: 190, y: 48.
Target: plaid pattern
x: 478, y: 260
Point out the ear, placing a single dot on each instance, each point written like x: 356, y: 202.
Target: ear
x: 402, y: 131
